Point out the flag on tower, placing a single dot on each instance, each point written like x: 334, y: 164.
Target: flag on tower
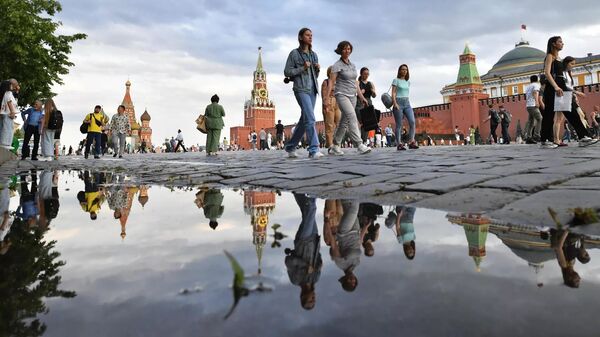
x: 524, y: 27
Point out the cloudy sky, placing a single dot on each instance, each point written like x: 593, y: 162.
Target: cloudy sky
x: 178, y: 54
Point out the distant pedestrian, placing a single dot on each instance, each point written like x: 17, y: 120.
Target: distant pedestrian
x: 214, y: 113
x: 346, y: 91
x: 494, y: 119
x: 179, y: 139
x: 279, y: 130
x: 262, y: 135
x: 33, y: 119
x: 8, y: 112
x: 302, y: 67
x: 253, y: 139
x: 143, y: 146
x: 534, y: 107
x: 173, y: 143
x: 51, y: 123
x: 120, y: 128
x: 70, y: 150
x: 505, y: 119
x: 95, y: 121
x: 269, y: 140
x: 595, y: 116
x: 402, y: 107
x: 472, y: 135
x: 456, y: 134
x: 388, y: 135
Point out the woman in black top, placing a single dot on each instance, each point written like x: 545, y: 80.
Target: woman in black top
x: 552, y: 67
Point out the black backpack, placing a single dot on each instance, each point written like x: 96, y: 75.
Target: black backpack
x: 56, y: 120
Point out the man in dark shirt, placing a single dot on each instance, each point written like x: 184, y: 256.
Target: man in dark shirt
x: 494, y: 119
x: 279, y: 134
x: 505, y: 118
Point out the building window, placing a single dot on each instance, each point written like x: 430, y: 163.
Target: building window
x: 494, y: 92
x: 504, y: 91
x: 588, y: 79
x: 515, y: 90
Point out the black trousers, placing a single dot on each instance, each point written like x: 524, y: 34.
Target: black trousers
x: 546, y: 133
x: 34, y: 131
x: 505, y: 136
x: 180, y: 143
x: 575, y: 120
x: 493, y: 127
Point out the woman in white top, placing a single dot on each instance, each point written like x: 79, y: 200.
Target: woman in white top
x: 343, y: 77
x: 566, y: 105
x: 8, y: 112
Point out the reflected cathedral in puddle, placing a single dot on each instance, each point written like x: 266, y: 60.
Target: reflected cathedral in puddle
x: 325, y: 254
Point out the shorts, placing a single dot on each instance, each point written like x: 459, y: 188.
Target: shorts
x: 279, y: 137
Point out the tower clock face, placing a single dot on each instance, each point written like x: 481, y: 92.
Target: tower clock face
x: 262, y: 92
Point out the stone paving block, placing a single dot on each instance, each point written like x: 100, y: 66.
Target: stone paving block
x: 529, y: 182
x: 533, y: 210
x: 244, y: 179
x: 324, y: 181
x: 584, y: 183
x: 301, y: 172
x: 268, y: 182
x: 450, y: 182
x: 366, y: 180
x: 418, y: 177
x: 398, y: 198
x: 575, y: 169
x: 357, y: 192
x: 471, y: 200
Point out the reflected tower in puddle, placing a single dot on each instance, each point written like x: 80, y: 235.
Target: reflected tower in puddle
x: 131, y: 191
x: 476, y: 227
x: 259, y: 205
x: 143, y: 195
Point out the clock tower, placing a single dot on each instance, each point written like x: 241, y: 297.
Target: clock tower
x: 259, y: 110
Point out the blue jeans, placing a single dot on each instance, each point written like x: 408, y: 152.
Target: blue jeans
x: 93, y: 136
x: 308, y: 208
x: 404, y: 110
x: 306, y: 124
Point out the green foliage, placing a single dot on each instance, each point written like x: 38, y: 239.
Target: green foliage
x: 32, y: 51
x: 29, y: 273
x: 19, y: 134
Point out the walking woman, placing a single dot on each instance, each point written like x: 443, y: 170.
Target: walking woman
x: 368, y: 90
x: 346, y: 91
x: 566, y: 105
x: 552, y: 67
x: 402, y: 108
x: 302, y: 67
x: 331, y: 112
x: 48, y: 130
x: 214, y: 113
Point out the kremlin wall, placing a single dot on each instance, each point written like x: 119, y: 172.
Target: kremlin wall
x: 465, y: 102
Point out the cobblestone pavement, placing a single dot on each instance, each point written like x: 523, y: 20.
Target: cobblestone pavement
x: 512, y: 183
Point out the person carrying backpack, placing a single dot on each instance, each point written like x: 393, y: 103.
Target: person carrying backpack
x: 51, y: 122
x: 505, y: 119
x: 494, y: 119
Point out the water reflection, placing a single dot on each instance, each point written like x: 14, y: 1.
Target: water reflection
x: 29, y: 265
x: 176, y: 250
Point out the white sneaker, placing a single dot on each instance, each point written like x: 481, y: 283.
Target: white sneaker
x: 335, y: 151
x: 548, y: 145
x: 292, y: 154
x: 586, y: 141
x: 315, y: 155
x: 43, y: 158
x: 363, y: 149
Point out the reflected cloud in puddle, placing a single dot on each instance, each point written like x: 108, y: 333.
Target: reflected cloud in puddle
x: 326, y: 266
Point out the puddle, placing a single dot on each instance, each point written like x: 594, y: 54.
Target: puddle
x: 98, y: 254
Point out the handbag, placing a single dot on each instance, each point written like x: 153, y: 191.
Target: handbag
x: 387, y: 100
x: 201, y: 123
x: 84, y: 126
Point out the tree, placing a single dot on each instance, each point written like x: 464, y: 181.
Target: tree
x: 32, y: 51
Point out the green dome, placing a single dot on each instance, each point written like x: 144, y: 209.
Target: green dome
x: 522, y: 54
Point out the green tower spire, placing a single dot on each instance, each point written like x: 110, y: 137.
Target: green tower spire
x: 468, y: 74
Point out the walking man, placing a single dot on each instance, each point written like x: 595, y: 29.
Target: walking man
x: 596, y: 120
x: 505, y: 118
x: 95, y: 121
x: 494, y: 119
x: 263, y: 139
x: 534, y: 105
x: 33, y: 118
x: 302, y: 67
x: 179, y: 139
x: 120, y: 128
x: 279, y: 134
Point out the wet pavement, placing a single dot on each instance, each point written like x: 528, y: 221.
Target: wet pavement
x: 118, y: 253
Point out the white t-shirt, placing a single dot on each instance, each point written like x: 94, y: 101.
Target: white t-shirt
x: 8, y: 97
x: 180, y: 137
x: 533, y: 87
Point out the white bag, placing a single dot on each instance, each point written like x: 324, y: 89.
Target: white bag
x: 564, y: 102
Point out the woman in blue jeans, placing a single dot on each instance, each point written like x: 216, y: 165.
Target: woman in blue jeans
x: 402, y: 108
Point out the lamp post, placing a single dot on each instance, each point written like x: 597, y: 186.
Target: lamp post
x: 501, y: 82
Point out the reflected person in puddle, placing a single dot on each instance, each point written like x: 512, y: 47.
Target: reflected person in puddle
x: 400, y: 220
x: 116, y: 197
x: 568, y: 248
x: 92, y: 197
x: 29, y: 208
x: 304, y: 261
x: 345, y: 249
x: 369, y: 230
x: 5, y: 217
x: 212, y: 202
x: 49, y: 203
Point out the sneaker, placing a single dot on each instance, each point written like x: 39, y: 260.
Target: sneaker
x: 292, y: 154
x: 96, y: 157
x: 120, y: 157
x: 530, y: 141
x: 548, y: 145
x: 315, y: 155
x: 42, y: 158
x: 586, y: 141
x: 400, y: 147
x: 413, y: 146
x: 335, y: 150
x: 363, y: 149
x: 115, y: 155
